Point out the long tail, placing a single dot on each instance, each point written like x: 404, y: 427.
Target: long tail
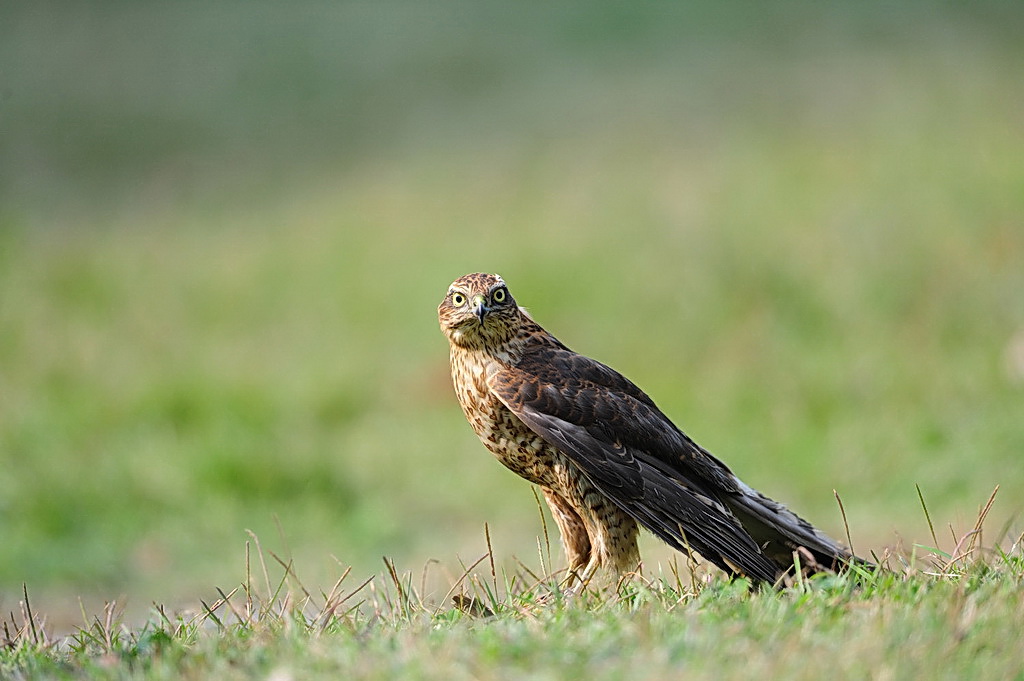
x: 780, y: 532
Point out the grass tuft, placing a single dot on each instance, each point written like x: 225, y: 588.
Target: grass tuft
x: 970, y: 595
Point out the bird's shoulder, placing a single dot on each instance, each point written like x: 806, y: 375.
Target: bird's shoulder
x: 546, y: 365
x: 551, y: 379
x: 551, y: 383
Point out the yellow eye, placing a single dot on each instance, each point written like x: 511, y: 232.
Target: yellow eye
x: 458, y: 300
x: 500, y: 295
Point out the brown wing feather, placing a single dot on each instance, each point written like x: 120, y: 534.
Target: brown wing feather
x: 585, y: 392
x: 632, y: 453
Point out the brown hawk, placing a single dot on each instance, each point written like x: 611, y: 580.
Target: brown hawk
x: 606, y: 458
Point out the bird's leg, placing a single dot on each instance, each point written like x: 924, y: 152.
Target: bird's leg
x: 573, y: 532
x: 608, y: 540
x: 575, y: 540
x: 613, y: 546
x: 579, y: 579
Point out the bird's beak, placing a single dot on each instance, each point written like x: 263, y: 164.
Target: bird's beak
x: 480, y: 308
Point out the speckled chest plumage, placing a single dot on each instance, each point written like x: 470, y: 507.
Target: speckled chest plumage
x: 510, y: 441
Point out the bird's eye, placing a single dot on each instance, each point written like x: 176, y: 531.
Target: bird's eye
x: 500, y: 295
x: 458, y: 300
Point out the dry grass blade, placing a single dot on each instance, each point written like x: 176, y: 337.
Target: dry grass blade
x: 551, y: 580
x: 263, y: 563
x: 846, y: 524
x: 329, y: 606
x: 490, y: 556
x: 423, y: 574
x: 533, y: 575
x: 982, y: 515
x: 674, y: 568
x: 289, y: 571
x: 164, y: 619
x: 359, y: 588
x: 971, y: 538
x: 29, y: 616
x: 691, y: 561
x: 286, y: 602
x: 226, y: 599
x: 959, y: 553
x: 927, y: 516
x: 29, y: 632
x: 108, y: 623
x: 249, y: 611
x: 210, y: 614
x: 335, y: 601
x: 404, y: 600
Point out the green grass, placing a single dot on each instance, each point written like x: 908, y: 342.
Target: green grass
x: 943, y: 616
x: 224, y: 233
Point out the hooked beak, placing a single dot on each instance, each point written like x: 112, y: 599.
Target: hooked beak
x: 480, y: 308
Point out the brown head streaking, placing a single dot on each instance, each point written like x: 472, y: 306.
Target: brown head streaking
x: 606, y: 458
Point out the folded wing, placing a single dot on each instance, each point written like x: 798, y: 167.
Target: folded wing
x: 633, y: 454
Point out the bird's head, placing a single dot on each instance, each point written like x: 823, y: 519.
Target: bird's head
x: 478, y: 311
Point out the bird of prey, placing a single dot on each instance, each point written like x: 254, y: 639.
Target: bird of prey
x: 606, y: 458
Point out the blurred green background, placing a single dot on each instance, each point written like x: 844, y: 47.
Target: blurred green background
x: 225, y: 228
